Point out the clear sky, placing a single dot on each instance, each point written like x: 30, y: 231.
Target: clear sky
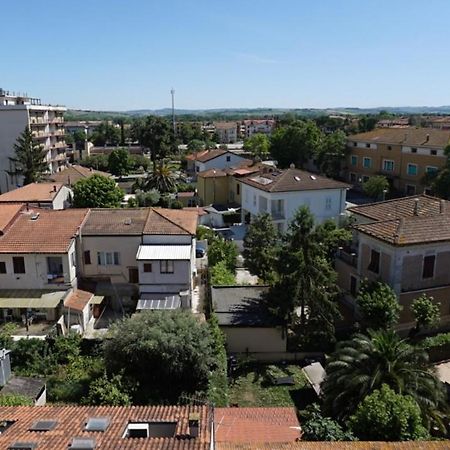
x: 127, y: 54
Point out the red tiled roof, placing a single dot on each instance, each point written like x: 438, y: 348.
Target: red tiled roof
x: 185, y: 194
x: 50, y: 232
x: 291, y: 180
x: 171, y: 221
x: 358, y: 445
x: 8, y: 212
x: 211, y: 154
x: 34, y: 192
x: 70, y: 175
x: 212, y: 173
x: 194, y: 156
x: 78, y: 299
x: 71, y: 422
x: 256, y: 425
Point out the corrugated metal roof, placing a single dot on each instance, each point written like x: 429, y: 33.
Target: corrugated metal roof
x: 173, y: 302
x: 161, y: 252
x: 21, y: 298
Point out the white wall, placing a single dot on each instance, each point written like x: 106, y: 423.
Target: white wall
x: 220, y: 162
x: 61, y: 201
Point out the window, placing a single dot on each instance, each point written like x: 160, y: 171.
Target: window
x: 238, y: 189
x: 410, y: 189
x: 353, y: 285
x: 354, y: 160
x: 2, y: 267
x: 367, y: 145
x: 411, y: 169
x: 228, y: 158
x: 254, y: 199
x: 367, y: 163
x: 389, y: 147
x: 433, y: 152
x: 374, y: 265
x: 166, y: 266
x: 5, y: 424
x: 388, y: 165
x: 87, y: 257
x: 431, y: 169
x: 355, y: 144
x: 150, y: 430
x: 428, y: 266
x: 97, y: 424
x: 328, y: 203
x: 108, y: 258
x: 23, y: 446
x: 82, y: 444
x: 19, y: 264
x: 413, y: 150
x: 352, y: 177
x: 43, y: 425
x: 147, y: 267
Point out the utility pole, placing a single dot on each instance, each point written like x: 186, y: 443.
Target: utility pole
x: 172, y: 92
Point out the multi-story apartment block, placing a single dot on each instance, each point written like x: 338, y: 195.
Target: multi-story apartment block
x: 262, y: 126
x: 403, y: 155
x: 46, y: 123
x: 227, y: 132
x: 404, y: 243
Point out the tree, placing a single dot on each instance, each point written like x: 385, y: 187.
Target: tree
x: 376, y: 187
x: 78, y: 137
x: 195, y: 145
x: 162, y: 179
x: 331, y: 237
x: 367, y: 361
x: 441, y: 183
x: 165, y: 353
x: 332, y: 153
x: 15, y: 400
x: 105, y: 134
x: 222, y: 250
x: 106, y: 391
x: 317, y: 427
x: 29, y: 158
x: 96, y: 191
x: 149, y: 198
x: 261, y: 247
x: 119, y: 162
x: 221, y: 275
x: 97, y: 162
x: 426, y: 313
x: 379, y: 305
x: 386, y: 415
x: 295, y: 143
x: 258, y: 145
x: 138, y: 163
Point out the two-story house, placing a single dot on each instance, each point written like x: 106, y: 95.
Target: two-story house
x: 403, y: 155
x: 404, y: 243
x: 281, y: 192
x: 217, y: 159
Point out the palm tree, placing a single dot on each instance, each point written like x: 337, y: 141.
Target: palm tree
x: 364, y: 363
x: 29, y: 158
x: 161, y: 179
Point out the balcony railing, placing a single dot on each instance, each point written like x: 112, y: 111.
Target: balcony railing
x: 348, y: 256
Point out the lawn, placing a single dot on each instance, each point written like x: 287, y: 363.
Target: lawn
x: 252, y: 386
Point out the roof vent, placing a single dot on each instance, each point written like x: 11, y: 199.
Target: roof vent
x: 296, y: 178
x: 313, y: 177
x: 35, y: 216
x: 127, y: 221
x: 291, y: 166
x: 428, y: 138
x: 416, y: 206
x: 442, y: 206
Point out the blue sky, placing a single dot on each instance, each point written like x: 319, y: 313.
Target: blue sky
x: 121, y: 55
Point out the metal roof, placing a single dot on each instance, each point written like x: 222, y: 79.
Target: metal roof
x: 32, y: 298
x: 161, y: 252
x: 173, y: 302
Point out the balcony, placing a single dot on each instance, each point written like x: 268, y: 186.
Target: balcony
x: 348, y: 255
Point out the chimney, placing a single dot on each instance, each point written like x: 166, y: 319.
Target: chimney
x: 428, y: 138
x: 54, y: 188
x: 399, y: 231
x: 5, y: 367
x: 416, y: 207
x: 442, y: 207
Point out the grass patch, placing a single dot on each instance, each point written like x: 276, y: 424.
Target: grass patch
x: 252, y: 386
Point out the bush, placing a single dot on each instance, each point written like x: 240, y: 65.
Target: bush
x: 96, y: 191
x: 15, y: 400
x: 205, y: 233
x: 221, y: 250
x: 439, y: 340
x: 220, y: 275
x: 376, y: 186
x: 106, y: 391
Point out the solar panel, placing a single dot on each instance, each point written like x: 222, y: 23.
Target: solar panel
x: 97, y: 424
x: 82, y: 444
x: 43, y: 425
x: 22, y: 446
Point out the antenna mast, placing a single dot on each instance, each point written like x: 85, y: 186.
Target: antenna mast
x: 172, y: 92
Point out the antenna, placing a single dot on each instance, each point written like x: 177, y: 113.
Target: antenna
x: 172, y: 92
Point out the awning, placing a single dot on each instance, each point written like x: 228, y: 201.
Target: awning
x: 162, y: 252
x: 96, y: 300
x: 23, y: 298
x: 173, y: 302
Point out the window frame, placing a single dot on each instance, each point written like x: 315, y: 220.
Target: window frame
x: 3, y: 268
x: 388, y: 161
x: 367, y: 158
x: 145, y: 266
x: 354, y: 158
x: 166, y: 263
x: 16, y: 260
x: 87, y: 257
x: 374, y: 263
x: 408, y: 165
x: 426, y: 273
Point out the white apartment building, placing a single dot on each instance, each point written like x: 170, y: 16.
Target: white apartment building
x: 261, y: 126
x: 18, y: 111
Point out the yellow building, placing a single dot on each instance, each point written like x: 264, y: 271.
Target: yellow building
x: 403, y: 155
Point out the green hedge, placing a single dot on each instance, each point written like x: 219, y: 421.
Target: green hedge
x: 439, y: 340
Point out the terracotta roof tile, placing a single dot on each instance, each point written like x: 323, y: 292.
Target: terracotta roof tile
x: 42, y: 231
x: 34, y: 192
x: 196, y: 155
x: 256, y: 425
x: 71, y: 422
x: 78, y: 299
x: 8, y: 212
x: 426, y: 137
x: 72, y: 174
x: 211, y: 154
x: 126, y: 221
x: 171, y: 221
x: 291, y: 180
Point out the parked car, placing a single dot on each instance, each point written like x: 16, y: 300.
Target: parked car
x: 200, y: 251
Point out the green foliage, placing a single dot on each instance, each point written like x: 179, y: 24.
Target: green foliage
x: 366, y: 362
x: 185, y: 187
x: 149, y: 198
x: 96, y: 191
x: 426, y: 312
x: 205, y: 233
x: 439, y: 340
x: 138, y: 163
x: 387, y: 416
x: 66, y: 348
x: 15, y: 400
x: 221, y: 275
x: 78, y: 137
x: 97, y: 162
x: 29, y: 158
x: 379, y: 305
x: 105, y: 134
x: 218, y: 380
x: 331, y: 237
x: 261, y: 247
x: 119, y: 162
x: 258, y: 145
x: 30, y: 357
x: 220, y: 250
x: 195, y: 145
x: 162, y: 179
x: 6, y: 332
x: 105, y: 391
x: 375, y: 186
x: 331, y: 153
x: 295, y: 143
x: 317, y: 427
x: 174, y: 342
x: 441, y: 183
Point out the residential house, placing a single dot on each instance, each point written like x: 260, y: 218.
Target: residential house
x: 245, y: 321
x: 187, y: 199
x: 107, y: 427
x: 86, y: 126
x: 281, y: 192
x: 403, y: 155
x: 217, y: 159
x: 73, y: 173
x: 227, y: 132
x: 396, y: 122
x: 405, y: 243
x: 145, y: 252
x: 260, y: 126
x: 46, y: 122
x: 79, y: 309
x: 42, y: 195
